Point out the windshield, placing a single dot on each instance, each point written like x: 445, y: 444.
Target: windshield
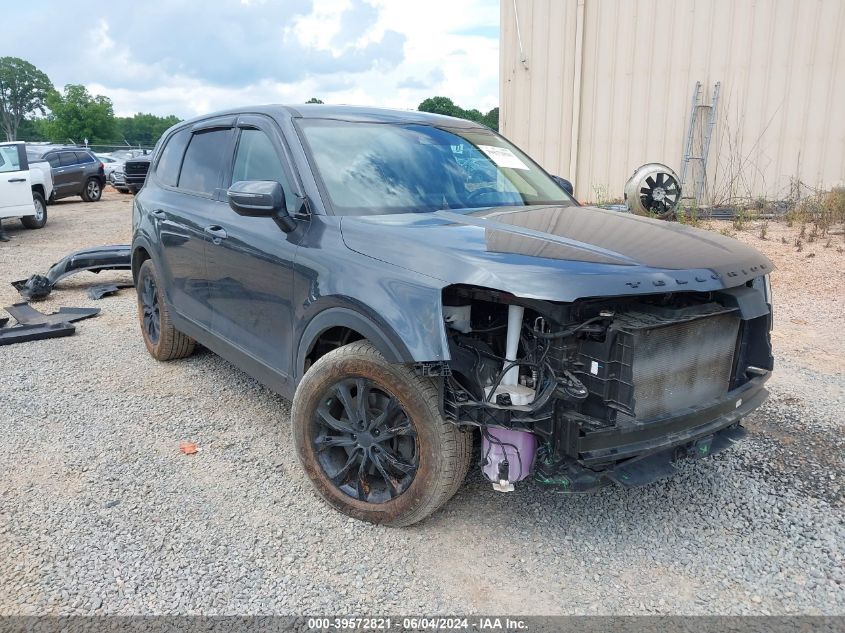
x: 378, y: 168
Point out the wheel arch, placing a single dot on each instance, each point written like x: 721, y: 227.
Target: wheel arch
x: 140, y: 253
x: 360, y: 325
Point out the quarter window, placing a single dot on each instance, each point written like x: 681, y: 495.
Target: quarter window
x: 171, y: 158
x: 203, y: 159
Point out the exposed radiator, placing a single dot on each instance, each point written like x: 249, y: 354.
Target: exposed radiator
x: 682, y: 365
x: 662, y: 360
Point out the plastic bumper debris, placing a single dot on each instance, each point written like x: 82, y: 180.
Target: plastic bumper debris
x: 116, y: 257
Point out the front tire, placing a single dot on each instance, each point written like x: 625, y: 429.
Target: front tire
x: 163, y: 341
x: 93, y: 190
x: 38, y: 220
x: 388, y: 457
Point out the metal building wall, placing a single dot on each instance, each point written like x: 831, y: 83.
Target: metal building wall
x: 600, y: 87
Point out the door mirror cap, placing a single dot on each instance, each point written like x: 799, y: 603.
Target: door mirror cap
x: 256, y: 198
x: 564, y: 184
x: 261, y: 198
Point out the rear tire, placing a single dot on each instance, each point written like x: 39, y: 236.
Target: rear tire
x: 38, y: 220
x: 93, y: 190
x: 163, y: 341
x: 410, y: 460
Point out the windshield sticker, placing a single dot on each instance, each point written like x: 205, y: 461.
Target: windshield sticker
x: 503, y: 157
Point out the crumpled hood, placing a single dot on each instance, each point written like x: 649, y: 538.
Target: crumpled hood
x: 556, y: 253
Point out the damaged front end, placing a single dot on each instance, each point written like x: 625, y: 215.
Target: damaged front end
x: 603, y: 390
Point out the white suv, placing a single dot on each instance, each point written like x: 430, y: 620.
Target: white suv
x: 24, y: 186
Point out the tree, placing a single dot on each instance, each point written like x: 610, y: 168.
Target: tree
x: 23, y: 90
x: 440, y: 105
x: 444, y: 105
x: 314, y: 100
x: 78, y: 115
x: 491, y: 119
x: 33, y: 129
x: 143, y: 129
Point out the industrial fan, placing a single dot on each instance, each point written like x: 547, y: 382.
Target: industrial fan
x: 653, y: 190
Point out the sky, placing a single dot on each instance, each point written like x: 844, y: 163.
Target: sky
x: 188, y: 57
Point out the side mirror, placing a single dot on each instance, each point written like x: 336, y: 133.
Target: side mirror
x: 261, y: 198
x: 564, y: 184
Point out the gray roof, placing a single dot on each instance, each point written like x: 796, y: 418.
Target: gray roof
x: 345, y: 113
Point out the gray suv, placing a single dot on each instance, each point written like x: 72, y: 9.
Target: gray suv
x: 417, y: 284
x: 76, y: 171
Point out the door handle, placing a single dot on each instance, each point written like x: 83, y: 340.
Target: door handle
x: 216, y: 232
x: 159, y: 213
x: 17, y: 179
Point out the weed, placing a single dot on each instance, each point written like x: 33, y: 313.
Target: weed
x: 689, y: 215
x: 822, y: 209
x: 799, y: 246
x: 600, y: 194
x: 764, y: 229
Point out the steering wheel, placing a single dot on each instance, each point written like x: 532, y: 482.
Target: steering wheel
x: 482, y: 191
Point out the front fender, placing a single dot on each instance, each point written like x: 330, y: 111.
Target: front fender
x: 403, y: 306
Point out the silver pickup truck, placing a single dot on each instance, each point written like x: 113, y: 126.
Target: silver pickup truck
x: 25, y: 186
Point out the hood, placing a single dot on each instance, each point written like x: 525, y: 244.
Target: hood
x: 557, y: 253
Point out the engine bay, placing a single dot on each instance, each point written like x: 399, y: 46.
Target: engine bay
x: 538, y: 378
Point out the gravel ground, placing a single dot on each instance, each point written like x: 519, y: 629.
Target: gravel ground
x: 101, y: 513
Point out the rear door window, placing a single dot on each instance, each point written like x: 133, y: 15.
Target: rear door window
x: 84, y: 157
x: 67, y: 158
x: 204, y: 160
x: 171, y: 158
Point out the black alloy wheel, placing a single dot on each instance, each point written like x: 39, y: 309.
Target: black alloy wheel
x: 162, y: 340
x: 364, y: 441
x: 371, y: 436
x: 150, y: 307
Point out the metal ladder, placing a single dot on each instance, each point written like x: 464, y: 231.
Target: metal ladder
x: 696, y: 111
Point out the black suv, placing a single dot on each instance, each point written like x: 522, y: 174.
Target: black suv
x: 76, y: 171
x: 416, y: 283
x: 135, y: 172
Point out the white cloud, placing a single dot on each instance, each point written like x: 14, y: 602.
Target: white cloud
x: 189, y: 57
